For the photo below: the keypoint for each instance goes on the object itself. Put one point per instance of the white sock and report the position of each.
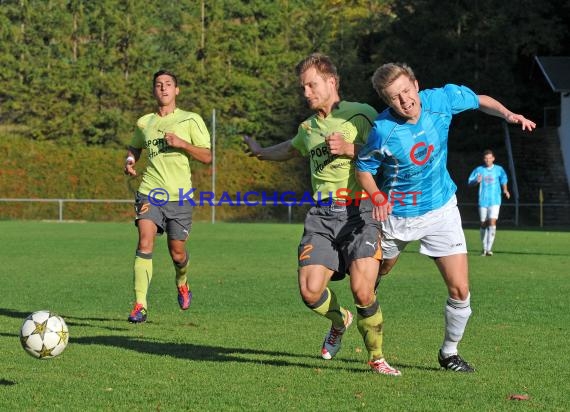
(457, 313)
(491, 237)
(483, 233)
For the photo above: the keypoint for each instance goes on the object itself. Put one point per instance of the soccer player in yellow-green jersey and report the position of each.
(339, 236)
(333, 175)
(169, 167)
(171, 137)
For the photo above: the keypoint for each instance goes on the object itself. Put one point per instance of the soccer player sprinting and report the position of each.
(407, 151)
(492, 181)
(338, 234)
(171, 137)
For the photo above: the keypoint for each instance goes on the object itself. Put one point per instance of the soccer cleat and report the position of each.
(484, 253)
(382, 367)
(138, 314)
(184, 297)
(489, 253)
(332, 342)
(454, 363)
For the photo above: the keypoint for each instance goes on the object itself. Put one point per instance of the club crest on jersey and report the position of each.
(419, 150)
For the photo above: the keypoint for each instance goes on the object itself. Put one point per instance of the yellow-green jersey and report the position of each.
(332, 175)
(169, 168)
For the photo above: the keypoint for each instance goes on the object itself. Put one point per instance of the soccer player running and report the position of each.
(339, 233)
(413, 193)
(171, 137)
(491, 178)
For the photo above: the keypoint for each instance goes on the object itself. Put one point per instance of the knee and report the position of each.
(145, 246)
(460, 293)
(309, 296)
(178, 257)
(364, 297)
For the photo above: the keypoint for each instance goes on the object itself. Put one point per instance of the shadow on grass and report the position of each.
(69, 320)
(4, 382)
(207, 353)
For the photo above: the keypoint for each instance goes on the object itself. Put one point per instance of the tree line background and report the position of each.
(78, 73)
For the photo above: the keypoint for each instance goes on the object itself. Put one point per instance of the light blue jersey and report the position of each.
(492, 178)
(414, 156)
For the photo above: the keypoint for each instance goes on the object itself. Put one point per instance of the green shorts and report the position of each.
(172, 218)
(335, 235)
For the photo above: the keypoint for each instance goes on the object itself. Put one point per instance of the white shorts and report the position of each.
(491, 212)
(440, 232)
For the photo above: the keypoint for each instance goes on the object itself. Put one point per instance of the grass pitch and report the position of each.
(248, 343)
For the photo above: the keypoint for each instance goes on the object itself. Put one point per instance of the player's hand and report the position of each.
(381, 207)
(174, 141)
(523, 121)
(253, 148)
(336, 144)
(129, 168)
(507, 194)
(479, 178)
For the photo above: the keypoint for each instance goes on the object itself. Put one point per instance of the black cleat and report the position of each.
(454, 363)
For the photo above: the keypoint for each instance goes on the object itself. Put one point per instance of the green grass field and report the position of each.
(248, 342)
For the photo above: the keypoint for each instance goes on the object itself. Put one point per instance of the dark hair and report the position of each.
(488, 152)
(160, 73)
(322, 64)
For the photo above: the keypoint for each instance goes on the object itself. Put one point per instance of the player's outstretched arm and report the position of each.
(279, 152)
(489, 105)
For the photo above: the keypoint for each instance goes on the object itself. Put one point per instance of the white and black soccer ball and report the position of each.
(44, 334)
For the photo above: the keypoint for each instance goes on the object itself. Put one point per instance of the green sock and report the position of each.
(328, 307)
(142, 276)
(181, 271)
(370, 325)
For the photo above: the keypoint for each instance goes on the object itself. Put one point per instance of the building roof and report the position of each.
(557, 72)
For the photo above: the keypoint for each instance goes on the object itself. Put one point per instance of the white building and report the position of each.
(556, 70)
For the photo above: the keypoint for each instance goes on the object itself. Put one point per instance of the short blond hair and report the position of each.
(322, 64)
(387, 74)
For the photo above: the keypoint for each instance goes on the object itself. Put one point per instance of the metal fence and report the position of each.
(521, 214)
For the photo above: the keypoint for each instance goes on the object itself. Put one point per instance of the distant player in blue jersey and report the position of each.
(491, 178)
(403, 168)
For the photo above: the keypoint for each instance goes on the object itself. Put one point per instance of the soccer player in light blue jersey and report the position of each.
(491, 179)
(403, 169)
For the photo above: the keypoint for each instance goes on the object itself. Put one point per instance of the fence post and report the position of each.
(214, 162)
(540, 202)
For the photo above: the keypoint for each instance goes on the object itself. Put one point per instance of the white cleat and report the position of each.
(382, 367)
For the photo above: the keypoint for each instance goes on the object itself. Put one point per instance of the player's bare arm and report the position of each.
(201, 154)
(381, 206)
(491, 106)
(340, 147)
(278, 153)
(133, 155)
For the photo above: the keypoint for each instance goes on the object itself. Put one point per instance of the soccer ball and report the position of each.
(44, 335)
